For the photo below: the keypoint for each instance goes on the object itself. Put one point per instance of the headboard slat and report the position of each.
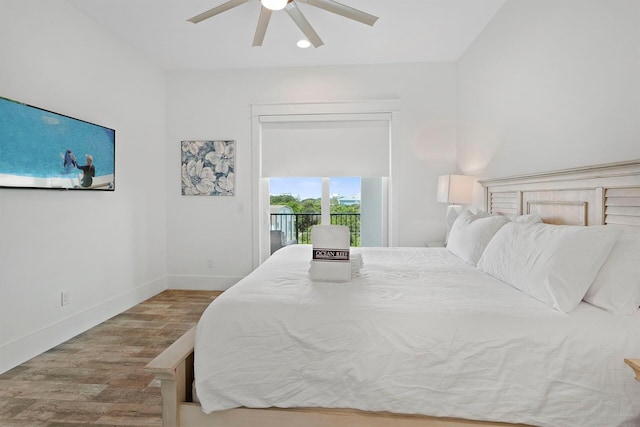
(502, 205)
(623, 210)
(506, 195)
(623, 192)
(623, 220)
(622, 201)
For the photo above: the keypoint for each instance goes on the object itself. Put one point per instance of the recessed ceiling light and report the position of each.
(304, 43)
(274, 4)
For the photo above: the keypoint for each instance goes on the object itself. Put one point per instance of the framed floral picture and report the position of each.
(208, 168)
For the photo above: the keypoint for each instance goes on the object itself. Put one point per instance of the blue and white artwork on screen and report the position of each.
(43, 149)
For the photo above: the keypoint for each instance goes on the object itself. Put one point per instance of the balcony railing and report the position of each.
(297, 226)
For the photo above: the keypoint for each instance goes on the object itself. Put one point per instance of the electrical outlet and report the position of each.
(209, 263)
(64, 298)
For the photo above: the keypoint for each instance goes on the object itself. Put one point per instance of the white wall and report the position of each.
(107, 249)
(551, 85)
(217, 105)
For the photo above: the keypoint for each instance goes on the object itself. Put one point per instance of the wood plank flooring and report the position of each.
(97, 378)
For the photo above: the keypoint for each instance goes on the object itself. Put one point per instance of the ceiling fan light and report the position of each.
(274, 4)
(303, 44)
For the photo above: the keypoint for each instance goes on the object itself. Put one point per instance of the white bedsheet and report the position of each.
(418, 332)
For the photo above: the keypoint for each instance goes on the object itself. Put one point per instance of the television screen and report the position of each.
(42, 149)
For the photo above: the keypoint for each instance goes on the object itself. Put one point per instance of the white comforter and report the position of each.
(419, 332)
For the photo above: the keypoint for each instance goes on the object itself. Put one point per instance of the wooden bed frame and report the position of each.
(596, 195)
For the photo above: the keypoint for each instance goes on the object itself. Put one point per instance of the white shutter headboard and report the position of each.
(593, 195)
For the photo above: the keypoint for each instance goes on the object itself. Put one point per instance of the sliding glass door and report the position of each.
(344, 153)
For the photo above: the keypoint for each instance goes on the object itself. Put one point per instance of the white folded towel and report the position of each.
(330, 236)
(319, 272)
(356, 264)
(331, 255)
(330, 272)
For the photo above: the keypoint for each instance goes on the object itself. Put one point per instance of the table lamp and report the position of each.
(456, 190)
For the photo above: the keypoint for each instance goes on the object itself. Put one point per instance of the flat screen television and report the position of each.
(43, 149)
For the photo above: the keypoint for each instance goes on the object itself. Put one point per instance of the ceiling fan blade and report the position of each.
(344, 10)
(216, 10)
(261, 29)
(303, 24)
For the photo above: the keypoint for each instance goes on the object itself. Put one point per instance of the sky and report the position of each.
(311, 188)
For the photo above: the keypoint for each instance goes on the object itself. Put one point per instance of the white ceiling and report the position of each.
(407, 31)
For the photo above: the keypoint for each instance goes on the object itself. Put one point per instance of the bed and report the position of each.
(445, 345)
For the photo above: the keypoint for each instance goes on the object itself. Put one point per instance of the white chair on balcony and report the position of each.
(278, 240)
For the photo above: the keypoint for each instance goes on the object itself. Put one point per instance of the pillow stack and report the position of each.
(559, 265)
(554, 264)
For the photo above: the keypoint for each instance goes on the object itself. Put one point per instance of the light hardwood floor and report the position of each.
(97, 378)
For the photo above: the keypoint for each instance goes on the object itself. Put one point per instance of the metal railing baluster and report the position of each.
(297, 226)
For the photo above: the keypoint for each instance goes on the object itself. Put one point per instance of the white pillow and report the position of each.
(471, 233)
(617, 285)
(527, 219)
(482, 213)
(555, 264)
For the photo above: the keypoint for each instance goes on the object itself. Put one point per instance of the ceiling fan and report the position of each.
(291, 7)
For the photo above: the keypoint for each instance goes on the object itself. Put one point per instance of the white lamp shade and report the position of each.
(455, 189)
(274, 4)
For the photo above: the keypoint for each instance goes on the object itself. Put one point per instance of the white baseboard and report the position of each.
(202, 283)
(29, 346)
